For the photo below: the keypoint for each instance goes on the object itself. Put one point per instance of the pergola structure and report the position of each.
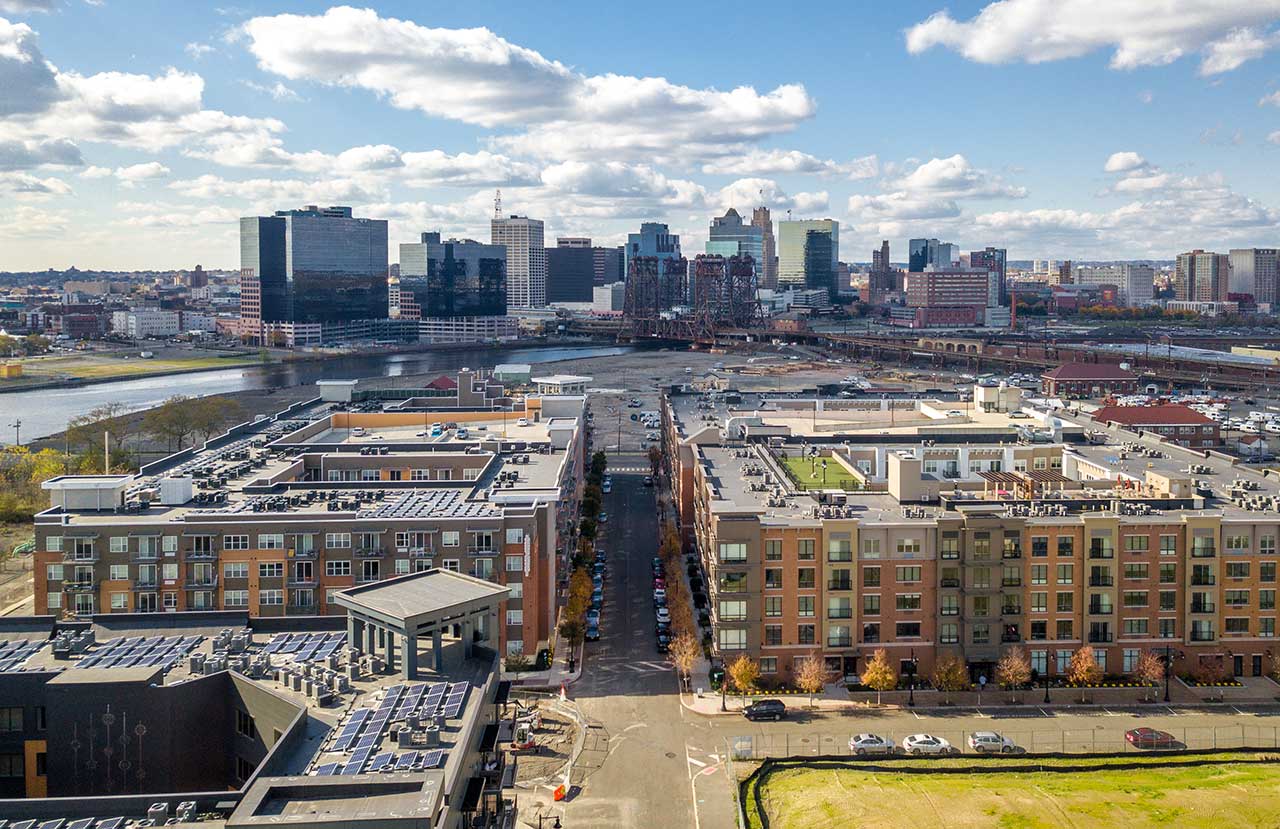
(392, 615)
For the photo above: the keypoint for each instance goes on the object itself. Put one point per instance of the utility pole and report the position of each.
(17, 431)
(106, 452)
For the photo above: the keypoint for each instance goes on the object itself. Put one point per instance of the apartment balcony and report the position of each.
(839, 584)
(71, 557)
(422, 553)
(301, 609)
(949, 611)
(369, 552)
(1008, 554)
(841, 641)
(201, 582)
(138, 555)
(1011, 582)
(1098, 609)
(145, 584)
(950, 582)
(200, 555)
(481, 551)
(840, 613)
(80, 586)
(1009, 638)
(1202, 636)
(1011, 610)
(1203, 581)
(1102, 554)
(303, 581)
(1102, 581)
(1100, 637)
(1204, 607)
(308, 554)
(367, 579)
(1204, 553)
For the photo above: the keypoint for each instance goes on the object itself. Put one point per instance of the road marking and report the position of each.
(696, 762)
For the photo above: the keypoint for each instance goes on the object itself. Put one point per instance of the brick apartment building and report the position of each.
(1076, 380)
(1177, 424)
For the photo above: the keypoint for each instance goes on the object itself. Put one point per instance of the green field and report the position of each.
(834, 476)
(98, 367)
(1227, 793)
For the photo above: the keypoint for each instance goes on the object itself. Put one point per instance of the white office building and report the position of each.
(145, 323)
(1135, 283)
(526, 260)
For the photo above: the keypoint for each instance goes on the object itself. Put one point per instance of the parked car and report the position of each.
(662, 628)
(863, 744)
(522, 421)
(1150, 738)
(664, 615)
(648, 480)
(659, 596)
(593, 616)
(462, 433)
(603, 517)
(664, 643)
(765, 709)
(659, 582)
(989, 742)
(926, 744)
(606, 488)
(657, 564)
(597, 598)
(593, 631)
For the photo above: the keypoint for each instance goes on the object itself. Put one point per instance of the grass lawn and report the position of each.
(1193, 797)
(834, 476)
(91, 367)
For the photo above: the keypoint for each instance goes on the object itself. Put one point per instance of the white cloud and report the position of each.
(758, 162)
(618, 180)
(198, 50)
(33, 223)
(477, 77)
(899, 206)
(277, 90)
(747, 193)
(1274, 137)
(1273, 99)
(96, 172)
(26, 185)
(137, 173)
(29, 153)
(1123, 161)
(1240, 45)
(28, 83)
(955, 177)
(26, 6)
(265, 192)
(1037, 31)
(434, 167)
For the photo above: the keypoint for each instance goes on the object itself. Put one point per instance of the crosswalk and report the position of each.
(629, 470)
(632, 667)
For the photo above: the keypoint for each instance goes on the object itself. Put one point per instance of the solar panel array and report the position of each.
(418, 503)
(305, 647)
(365, 729)
(63, 823)
(14, 654)
(141, 652)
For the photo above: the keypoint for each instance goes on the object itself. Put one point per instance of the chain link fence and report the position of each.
(1028, 741)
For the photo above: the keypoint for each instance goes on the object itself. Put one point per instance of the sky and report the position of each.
(134, 133)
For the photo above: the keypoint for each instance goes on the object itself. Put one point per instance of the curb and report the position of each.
(921, 709)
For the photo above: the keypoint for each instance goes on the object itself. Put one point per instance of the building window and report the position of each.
(772, 605)
(908, 574)
(118, 543)
(805, 578)
(805, 549)
(733, 639)
(1137, 543)
(1266, 600)
(450, 538)
(235, 598)
(947, 606)
(270, 569)
(54, 601)
(948, 633)
(1039, 546)
(515, 617)
(515, 564)
(1267, 627)
(1066, 573)
(11, 765)
(733, 611)
(1237, 569)
(1267, 545)
(981, 633)
(1135, 598)
(1134, 572)
(1066, 602)
(772, 635)
(11, 719)
(1135, 627)
(1063, 631)
(270, 597)
(337, 541)
(337, 568)
(907, 630)
(1039, 574)
(372, 570)
(53, 572)
(908, 546)
(772, 550)
(773, 579)
(950, 545)
(907, 601)
(804, 606)
(1236, 598)
(119, 601)
(244, 724)
(870, 576)
(1039, 602)
(870, 548)
(768, 664)
(732, 552)
(1066, 546)
(842, 551)
(235, 542)
(806, 634)
(1236, 625)
(235, 570)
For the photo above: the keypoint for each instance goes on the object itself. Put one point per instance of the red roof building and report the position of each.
(443, 383)
(1076, 380)
(1174, 423)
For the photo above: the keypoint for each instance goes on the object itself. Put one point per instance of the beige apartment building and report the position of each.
(277, 516)
(968, 535)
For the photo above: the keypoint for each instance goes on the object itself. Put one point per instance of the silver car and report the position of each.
(989, 742)
(926, 744)
(864, 744)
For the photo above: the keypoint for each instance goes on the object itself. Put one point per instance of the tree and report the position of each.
(1014, 669)
(1149, 669)
(879, 675)
(685, 652)
(655, 459)
(573, 630)
(211, 415)
(170, 421)
(811, 674)
(88, 433)
(1211, 671)
(580, 589)
(743, 673)
(949, 675)
(1084, 670)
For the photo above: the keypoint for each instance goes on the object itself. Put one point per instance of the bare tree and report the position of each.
(811, 674)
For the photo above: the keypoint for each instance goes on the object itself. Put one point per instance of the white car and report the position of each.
(863, 744)
(523, 421)
(989, 742)
(664, 616)
(926, 744)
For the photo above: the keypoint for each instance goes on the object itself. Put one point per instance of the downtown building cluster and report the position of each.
(967, 532)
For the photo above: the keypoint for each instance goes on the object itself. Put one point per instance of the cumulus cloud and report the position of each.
(26, 6)
(900, 206)
(746, 193)
(27, 222)
(955, 177)
(267, 191)
(21, 185)
(198, 50)
(758, 162)
(1037, 31)
(277, 90)
(1273, 99)
(28, 83)
(477, 77)
(137, 173)
(1123, 161)
(96, 172)
(29, 153)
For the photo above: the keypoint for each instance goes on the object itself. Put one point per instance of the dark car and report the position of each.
(664, 643)
(657, 565)
(648, 480)
(765, 709)
(1150, 738)
(593, 631)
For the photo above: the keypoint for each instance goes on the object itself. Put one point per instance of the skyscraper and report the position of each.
(1255, 271)
(768, 273)
(1202, 276)
(880, 258)
(993, 260)
(924, 252)
(570, 270)
(607, 263)
(526, 260)
(456, 278)
(654, 239)
(808, 250)
(313, 267)
(730, 236)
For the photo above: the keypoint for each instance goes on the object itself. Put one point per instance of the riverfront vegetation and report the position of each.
(1237, 790)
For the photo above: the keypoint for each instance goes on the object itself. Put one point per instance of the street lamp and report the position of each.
(1168, 668)
(911, 679)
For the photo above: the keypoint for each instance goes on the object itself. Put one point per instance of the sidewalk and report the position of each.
(552, 678)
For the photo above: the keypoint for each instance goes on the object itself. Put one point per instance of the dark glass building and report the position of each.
(457, 278)
(570, 274)
(818, 255)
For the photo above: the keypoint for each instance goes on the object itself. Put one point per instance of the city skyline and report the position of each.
(134, 140)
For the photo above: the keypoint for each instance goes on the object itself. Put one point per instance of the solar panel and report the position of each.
(22, 824)
(56, 823)
(381, 762)
(324, 771)
(406, 761)
(433, 759)
(82, 823)
(110, 823)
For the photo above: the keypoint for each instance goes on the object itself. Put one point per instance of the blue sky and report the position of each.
(132, 134)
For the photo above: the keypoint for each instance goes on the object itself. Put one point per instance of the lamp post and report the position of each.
(911, 679)
(1168, 669)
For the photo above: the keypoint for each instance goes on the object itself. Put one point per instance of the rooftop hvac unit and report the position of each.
(176, 491)
(158, 811)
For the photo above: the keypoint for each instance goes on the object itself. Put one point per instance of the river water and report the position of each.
(46, 411)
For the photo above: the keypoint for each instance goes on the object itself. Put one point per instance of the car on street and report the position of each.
(597, 581)
(864, 744)
(989, 742)
(664, 643)
(663, 628)
(926, 744)
(664, 615)
(593, 616)
(1150, 738)
(659, 582)
(462, 433)
(659, 596)
(597, 598)
(603, 517)
(648, 480)
(522, 421)
(597, 569)
(606, 488)
(765, 709)
(593, 632)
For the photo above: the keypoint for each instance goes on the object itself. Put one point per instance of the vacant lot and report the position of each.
(1231, 792)
(98, 367)
(809, 474)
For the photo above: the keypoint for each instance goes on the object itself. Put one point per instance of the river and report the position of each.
(46, 411)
